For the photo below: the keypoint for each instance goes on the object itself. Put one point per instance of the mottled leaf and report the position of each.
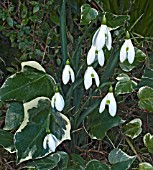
(148, 141)
(96, 165)
(145, 166)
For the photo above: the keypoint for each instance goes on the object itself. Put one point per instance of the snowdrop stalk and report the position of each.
(57, 101)
(89, 75)
(109, 100)
(50, 141)
(127, 50)
(68, 73)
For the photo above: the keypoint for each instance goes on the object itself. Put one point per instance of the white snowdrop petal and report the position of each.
(87, 79)
(101, 58)
(72, 75)
(112, 105)
(59, 103)
(53, 101)
(96, 77)
(51, 143)
(109, 40)
(65, 74)
(100, 40)
(123, 52)
(102, 104)
(131, 52)
(45, 142)
(95, 37)
(91, 55)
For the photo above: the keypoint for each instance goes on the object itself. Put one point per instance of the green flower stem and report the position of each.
(63, 32)
(132, 147)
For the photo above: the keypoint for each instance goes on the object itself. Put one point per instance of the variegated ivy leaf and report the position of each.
(96, 165)
(30, 135)
(145, 166)
(145, 95)
(133, 128)
(124, 84)
(148, 141)
(31, 82)
(120, 160)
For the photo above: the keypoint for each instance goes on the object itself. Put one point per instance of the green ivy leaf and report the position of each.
(10, 21)
(6, 140)
(31, 82)
(87, 14)
(147, 78)
(30, 135)
(145, 166)
(140, 56)
(100, 123)
(145, 95)
(120, 160)
(14, 116)
(124, 85)
(133, 128)
(95, 164)
(24, 11)
(148, 142)
(36, 9)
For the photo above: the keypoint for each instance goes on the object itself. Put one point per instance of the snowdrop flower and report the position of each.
(93, 52)
(127, 50)
(110, 101)
(102, 37)
(50, 141)
(89, 75)
(67, 73)
(57, 101)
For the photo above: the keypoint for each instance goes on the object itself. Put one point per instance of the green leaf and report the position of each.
(145, 95)
(115, 21)
(36, 9)
(120, 160)
(6, 140)
(147, 78)
(95, 164)
(30, 135)
(100, 123)
(14, 116)
(145, 166)
(140, 56)
(148, 142)
(87, 14)
(133, 128)
(24, 11)
(78, 161)
(27, 84)
(10, 21)
(124, 85)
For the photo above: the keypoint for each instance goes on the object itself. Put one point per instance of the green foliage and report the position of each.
(148, 141)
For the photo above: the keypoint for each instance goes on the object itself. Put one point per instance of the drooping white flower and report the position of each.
(127, 50)
(111, 102)
(57, 101)
(102, 37)
(67, 73)
(50, 141)
(89, 75)
(93, 52)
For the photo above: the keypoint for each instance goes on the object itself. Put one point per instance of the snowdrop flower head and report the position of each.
(102, 36)
(93, 52)
(57, 101)
(127, 50)
(89, 75)
(50, 141)
(109, 100)
(68, 73)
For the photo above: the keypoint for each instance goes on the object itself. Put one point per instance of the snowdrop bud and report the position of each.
(109, 100)
(57, 101)
(89, 75)
(104, 20)
(50, 141)
(127, 50)
(68, 73)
